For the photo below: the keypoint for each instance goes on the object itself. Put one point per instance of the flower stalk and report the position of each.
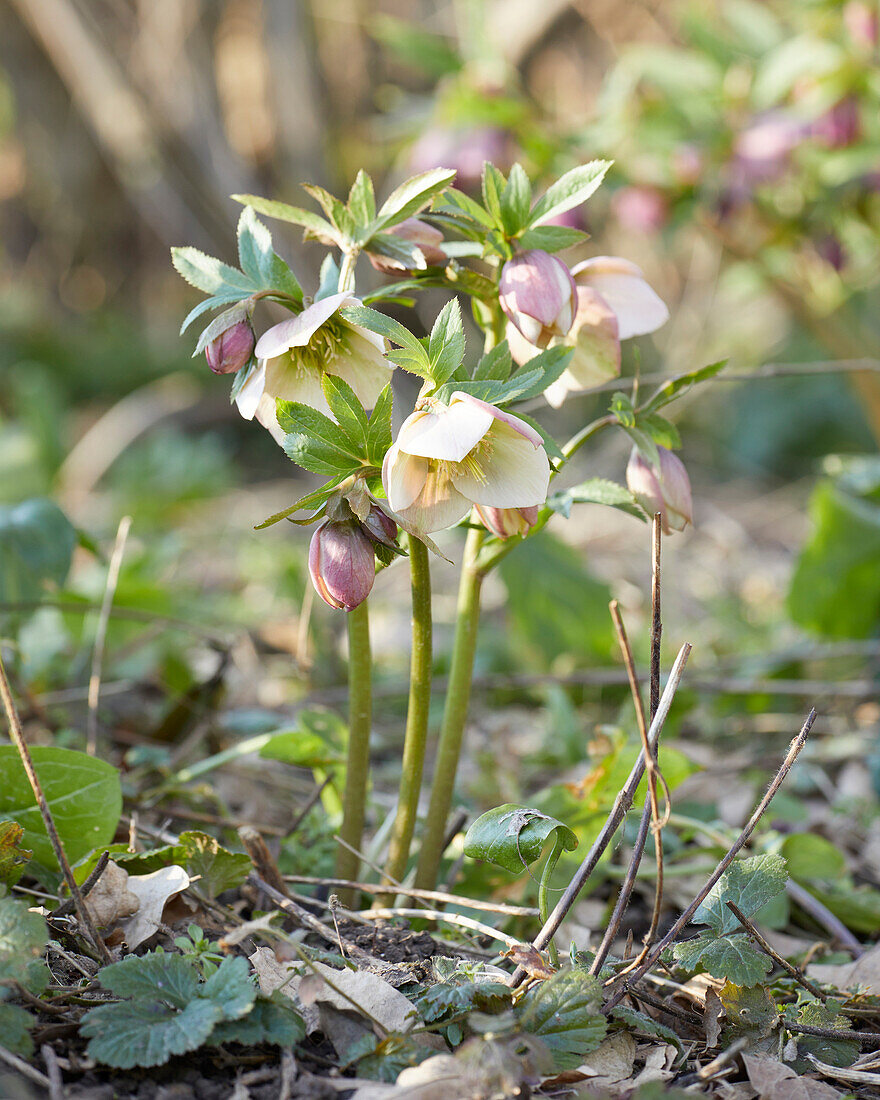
(360, 715)
(416, 737)
(544, 888)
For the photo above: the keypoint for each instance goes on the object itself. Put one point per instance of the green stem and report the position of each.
(346, 270)
(416, 738)
(360, 713)
(454, 713)
(544, 889)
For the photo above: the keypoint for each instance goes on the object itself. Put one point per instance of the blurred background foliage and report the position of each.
(746, 184)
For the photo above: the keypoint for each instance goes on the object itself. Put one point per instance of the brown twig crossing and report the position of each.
(651, 960)
(17, 735)
(798, 975)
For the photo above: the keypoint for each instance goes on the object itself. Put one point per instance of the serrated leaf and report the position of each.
(413, 355)
(549, 364)
(258, 259)
(157, 975)
(407, 254)
(679, 385)
(338, 213)
(513, 836)
(596, 490)
(362, 199)
(446, 344)
(751, 1012)
(495, 364)
(565, 1012)
(313, 223)
(749, 884)
(223, 321)
(310, 502)
(411, 196)
(569, 191)
(516, 199)
(379, 427)
(493, 184)
(209, 274)
(217, 868)
(834, 1052)
(137, 1033)
(455, 203)
(13, 856)
(552, 238)
(641, 1021)
(231, 987)
(83, 792)
(314, 441)
(23, 939)
(271, 1020)
(347, 411)
(460, 993)
(733, 957)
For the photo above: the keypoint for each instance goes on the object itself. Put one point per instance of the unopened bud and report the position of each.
(232, 349)
(427, 238)
(669, 493)
(505, 522)
(379, 527)
(341, 564)
(539, 296)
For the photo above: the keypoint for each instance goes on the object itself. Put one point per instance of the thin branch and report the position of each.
(798, 975)
(866, 1038)
(261, 857)
(101, 633)
(792, 755)
(310, 804)
(823, 915)
(621, 807)
(456, 919)
(626, 889)
(68, 906)
(413, 892)
(17, 735)
(21, 1066)
(656, 618)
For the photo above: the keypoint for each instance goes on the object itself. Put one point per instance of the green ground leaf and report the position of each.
(138, 1033)
(513, 837)
(732, 957)
(566, 1013)
(810, 856)
(641, 1021)
(835, 1052)
(158, 975)
(23, 939)
(218, 868)
(231, 987)
(83, 792)
(15, 1025)
(36, 548)
(271, 1020)
(749, 884)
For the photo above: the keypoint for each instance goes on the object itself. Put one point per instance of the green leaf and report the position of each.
(271, 1020)
(495, 364)
(15, 1025)
(493, 187)
(462, 986)
(810, 856)
(23, 939)
(516, 199)
(456, 203)
(338, 213)
(157, 975)
(749, 884)
(680, 385)
(566, 1013)
(231, 987)
(549, 365)
(834, 1052)
(314, 441)
(138, 1033)
(362, 199)
(552, 238)
(596, 490)
(379, 428)
(446, 344)
(347, 411)
(569, 191)
(662, 431)
(83, 792)
(218, 868)
(412, 356)
(733, 957)
(411, 196)
(622, 407)
(210, 274)
(36, 548)
(308, 503)
(407, 254)
(13, 857)
(513, 836)
(229, 317)
(313, 223)
(258, 260)
(430, 54)
(751, 1013)
(641, 1021)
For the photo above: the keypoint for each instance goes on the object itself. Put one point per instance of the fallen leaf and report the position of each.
(111, 900)
(152, 891)
(863, 972)
(437, 1078)
(612, 1060)
(712, 1013)
(531, 960)
(658, 1060)
(776, 1081)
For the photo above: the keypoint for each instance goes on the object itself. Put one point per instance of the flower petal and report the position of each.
(403, 477)
(623, 286)
(296, 332)
(515, 474)
(248, 397)
(439, 505)
(445, 432)
(521, 350)
(524, 429)
(362, 366)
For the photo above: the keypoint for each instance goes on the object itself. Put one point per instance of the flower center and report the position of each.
(474, 462)
(324, 346)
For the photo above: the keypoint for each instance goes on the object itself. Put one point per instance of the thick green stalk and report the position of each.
(360, 714)
(416, 738)
(454, 714)
(544, 888)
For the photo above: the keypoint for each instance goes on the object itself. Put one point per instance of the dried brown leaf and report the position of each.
(776, 1081)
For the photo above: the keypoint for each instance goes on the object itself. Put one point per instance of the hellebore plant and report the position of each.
(464, 455)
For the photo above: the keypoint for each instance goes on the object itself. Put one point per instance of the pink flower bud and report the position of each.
(427, 237)
(232, 349)
(380, 527)
(669, 494)
(640, 209)
(862, 22)
(505, 522)
(840, 126)
(341, 564)
(465, 150)
(539, 296)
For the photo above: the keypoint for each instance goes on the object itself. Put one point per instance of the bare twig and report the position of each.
(457, 919)
(413, 892)
(56, 1084)
(261, 857)
(792, 755)
(621, 807)
(823, 915)
(101, 633)
(68, 906)
(17, 735)
(626, 889)
(798, 975)
(866, 1038)
(21, 1066)
(310, 804)
(656, 618)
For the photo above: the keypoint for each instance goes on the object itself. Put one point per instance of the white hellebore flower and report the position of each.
(293, 356)
(447, 458)
(614, 303)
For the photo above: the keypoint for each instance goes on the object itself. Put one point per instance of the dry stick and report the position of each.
(426, 895)
(17, 735)
(798, 975)
(261, 857)
(792, 755)
(56, 1083)
(621, 806)
(863, 1037)
(24, 1069)
(456, 919)
(101, 633)
(312, 801)
(67, 906)
(822, 915)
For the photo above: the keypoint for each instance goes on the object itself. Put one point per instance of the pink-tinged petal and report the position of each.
(512, 474)
(297, 332)
(520, 426)
(445, 432)
(364, 368)
(403, 477)
(506, 522)
(266, 416)
(439, 505)
(538, 286)
(248, 397)
(341, 564)
(521, 350)
(557, 391)
(639, 309)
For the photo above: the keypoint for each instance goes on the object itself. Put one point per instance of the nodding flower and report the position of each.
(668, 492)
(538, 295)
(427, 239)
(506, 522)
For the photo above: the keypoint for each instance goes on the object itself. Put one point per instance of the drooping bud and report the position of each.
(505, 522)
(380, 527)
(539, 296)
(669, 494)
(232, 349)
(427, 238)
(341, 564)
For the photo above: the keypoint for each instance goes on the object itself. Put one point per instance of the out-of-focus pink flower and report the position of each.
(427, 238)
(341, 563)
(831, 250)
(447, 458)
(668, 493)
(862, 21)
(640, 209)
(506, 522)
(465, 150)
(571, 219)
(537, 292)
(294, 355)
(763, 149)
(687, 164)
(840, 126)
(232, 349)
